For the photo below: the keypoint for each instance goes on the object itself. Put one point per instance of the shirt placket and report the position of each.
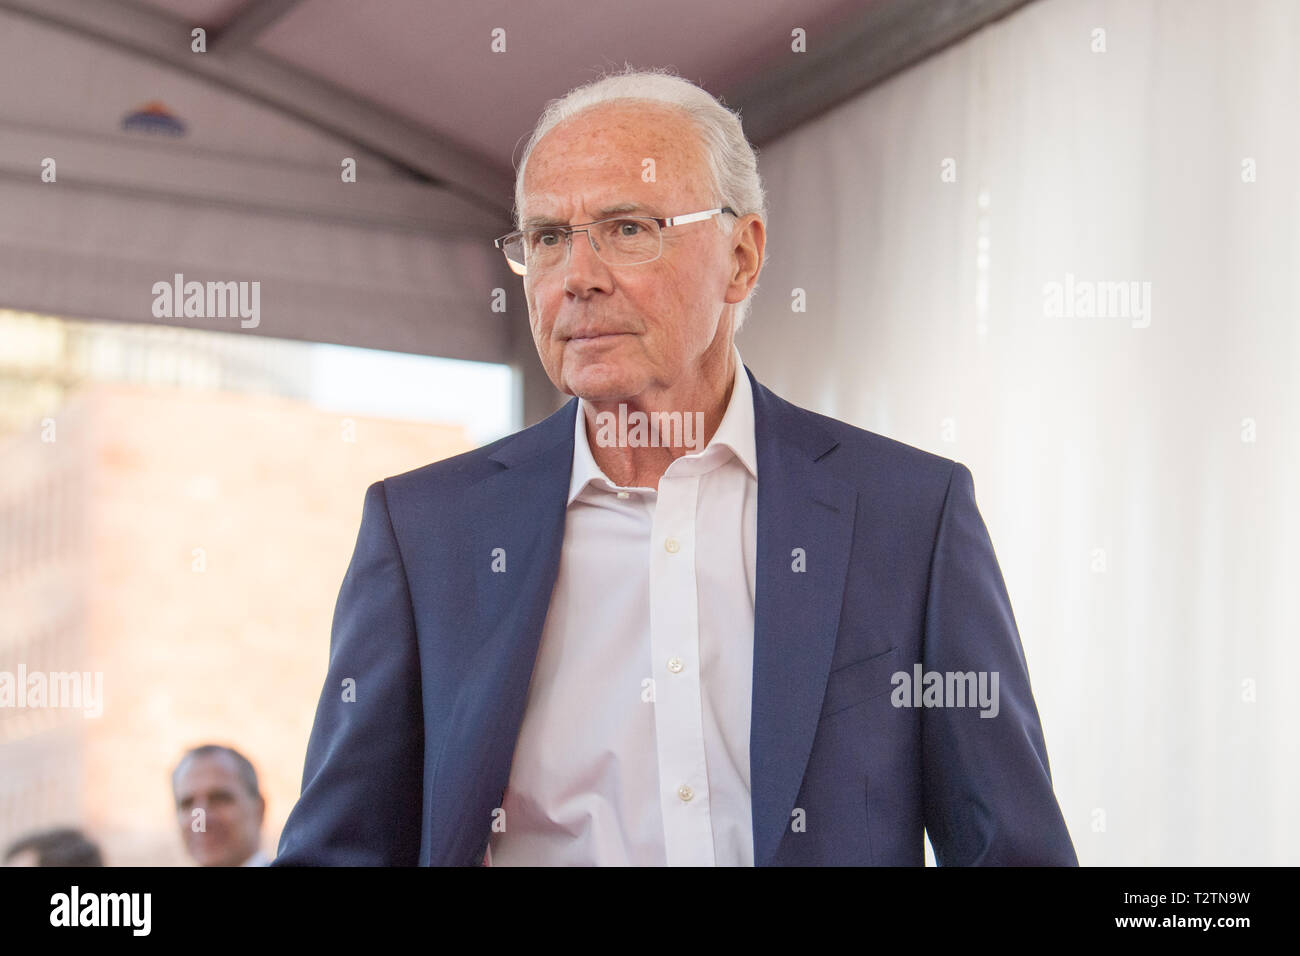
(675, 653)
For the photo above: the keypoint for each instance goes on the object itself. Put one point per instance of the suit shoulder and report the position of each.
(461, 471)
(867, 453)
(466, 468)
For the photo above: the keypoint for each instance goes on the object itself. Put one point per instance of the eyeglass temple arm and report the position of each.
(696, 216)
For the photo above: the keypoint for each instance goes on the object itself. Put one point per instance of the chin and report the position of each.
(604, 394)
(602, 384)
(211, 857)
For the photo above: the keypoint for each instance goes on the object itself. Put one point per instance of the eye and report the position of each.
(630, 224)
(547, 237)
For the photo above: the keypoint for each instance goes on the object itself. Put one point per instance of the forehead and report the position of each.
(215, 770)
(599, 157)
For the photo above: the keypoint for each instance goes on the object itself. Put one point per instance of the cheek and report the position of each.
(220, 817)
(681, 287)
(539, 319)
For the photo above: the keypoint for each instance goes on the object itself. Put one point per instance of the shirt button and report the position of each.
(675, 665)
(671, 546)
(685, 793)
(623, 494)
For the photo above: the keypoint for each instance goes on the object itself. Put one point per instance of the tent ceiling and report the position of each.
(416, 81)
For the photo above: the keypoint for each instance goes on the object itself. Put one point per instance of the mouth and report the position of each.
(595, 336)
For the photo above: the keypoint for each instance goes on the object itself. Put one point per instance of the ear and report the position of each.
(746, 257)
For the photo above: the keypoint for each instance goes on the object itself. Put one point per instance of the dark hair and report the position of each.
(62, 846)
(247, 775)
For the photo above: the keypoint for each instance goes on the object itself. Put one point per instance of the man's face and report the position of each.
(232, 817)
(606, 332)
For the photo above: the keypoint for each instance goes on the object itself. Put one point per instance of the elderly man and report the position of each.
(587, 644)
(219, 807)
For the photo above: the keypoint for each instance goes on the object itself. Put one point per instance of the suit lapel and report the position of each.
(520, 510)
(796, 613)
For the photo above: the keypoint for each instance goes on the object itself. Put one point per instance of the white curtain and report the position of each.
(1136, 462)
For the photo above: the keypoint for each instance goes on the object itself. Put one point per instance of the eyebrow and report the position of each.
(533, 222)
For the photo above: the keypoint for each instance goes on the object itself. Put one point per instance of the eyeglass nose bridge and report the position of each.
(591, 241)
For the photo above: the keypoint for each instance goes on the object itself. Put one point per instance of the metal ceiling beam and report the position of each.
(124, 165)
(252, 20)
(157, 36)
(887, 37)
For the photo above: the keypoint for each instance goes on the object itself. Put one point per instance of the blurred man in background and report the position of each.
(63, 846)
(219, 807)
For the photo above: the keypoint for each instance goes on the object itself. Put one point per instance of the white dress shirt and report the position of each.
(634, 746)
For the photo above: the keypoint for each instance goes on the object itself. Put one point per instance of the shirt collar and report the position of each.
(735, 432)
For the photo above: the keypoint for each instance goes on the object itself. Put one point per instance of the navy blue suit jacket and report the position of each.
(899, 570)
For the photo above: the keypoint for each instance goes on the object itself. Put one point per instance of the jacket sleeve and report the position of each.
(987, 786)
(363, 781)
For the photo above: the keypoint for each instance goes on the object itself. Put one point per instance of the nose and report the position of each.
(584, 271)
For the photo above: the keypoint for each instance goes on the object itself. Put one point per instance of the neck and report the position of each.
(686, 417)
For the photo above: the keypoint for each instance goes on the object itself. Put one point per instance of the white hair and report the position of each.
(731, 160)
